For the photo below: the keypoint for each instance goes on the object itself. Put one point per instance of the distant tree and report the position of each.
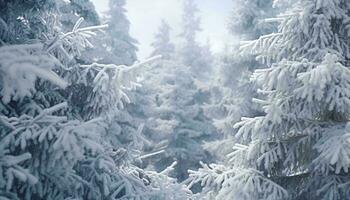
(162, 44)
(174, 118)
(119, 41)
(191, 52)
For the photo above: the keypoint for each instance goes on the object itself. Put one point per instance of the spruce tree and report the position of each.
(247, 18)
(299, 148)
(232, 89)
(162, 44)
(49, 149)
(26, 20)
(119, 41)
(191, 52)
(71, 11)
(174, 118)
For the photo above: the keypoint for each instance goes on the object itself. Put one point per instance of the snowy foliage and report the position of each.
(193, 54)
(81, 118)
(21, 65)
(176, 124)
(162, 44)
(71, 11)
(220, 182)
(300, 143)
(54, 139)
(247, 19)
(233, 90)
(118, 40)
(30, 21)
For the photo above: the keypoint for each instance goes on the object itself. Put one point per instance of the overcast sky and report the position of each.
(145, 17)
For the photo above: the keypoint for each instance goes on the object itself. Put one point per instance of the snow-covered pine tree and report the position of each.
(162, 44)
(120, 49)
(30, 20)
(175, 122)
(118, 41)
(233, 90)
(247, 18)
(300, 148)
(72, 10)
(247, 22)
(123, 125)
(191, 52)
(48, 151)
(207, 59)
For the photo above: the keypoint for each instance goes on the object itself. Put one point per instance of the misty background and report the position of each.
(146, 15)
(174, 100)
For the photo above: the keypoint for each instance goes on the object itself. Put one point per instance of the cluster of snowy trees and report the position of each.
(82, 118)
(62, 106)
(176, 121)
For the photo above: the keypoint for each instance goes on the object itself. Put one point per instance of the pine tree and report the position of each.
(72, 10)
(121, 50)
(48, 148)
(247, 22)
(299, 148)
(175, 122)
(162, 44)
(119, 41)
(247, 18)
(191, 52)
(30, 20)
(232, 89)
(191, 26)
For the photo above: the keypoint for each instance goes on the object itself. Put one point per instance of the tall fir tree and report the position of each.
(162, 44)
(175, 124)
(30, 20)
(247, 18)
(299, 148)
(232, 89)
(172, 103)
(48, 149)
(119, 41)
(191, 52)
(71, 11)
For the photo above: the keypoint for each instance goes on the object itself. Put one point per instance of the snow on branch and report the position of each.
(265, 46)
(122, 77)
(108, 85)
(252, 185)
(13, 171)
(51, 110)
(166, 187)
(210, 176)
(334, 151)
(77, 35)
(235, 183)
(21, 65)
(101, 67)
(152, 154)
